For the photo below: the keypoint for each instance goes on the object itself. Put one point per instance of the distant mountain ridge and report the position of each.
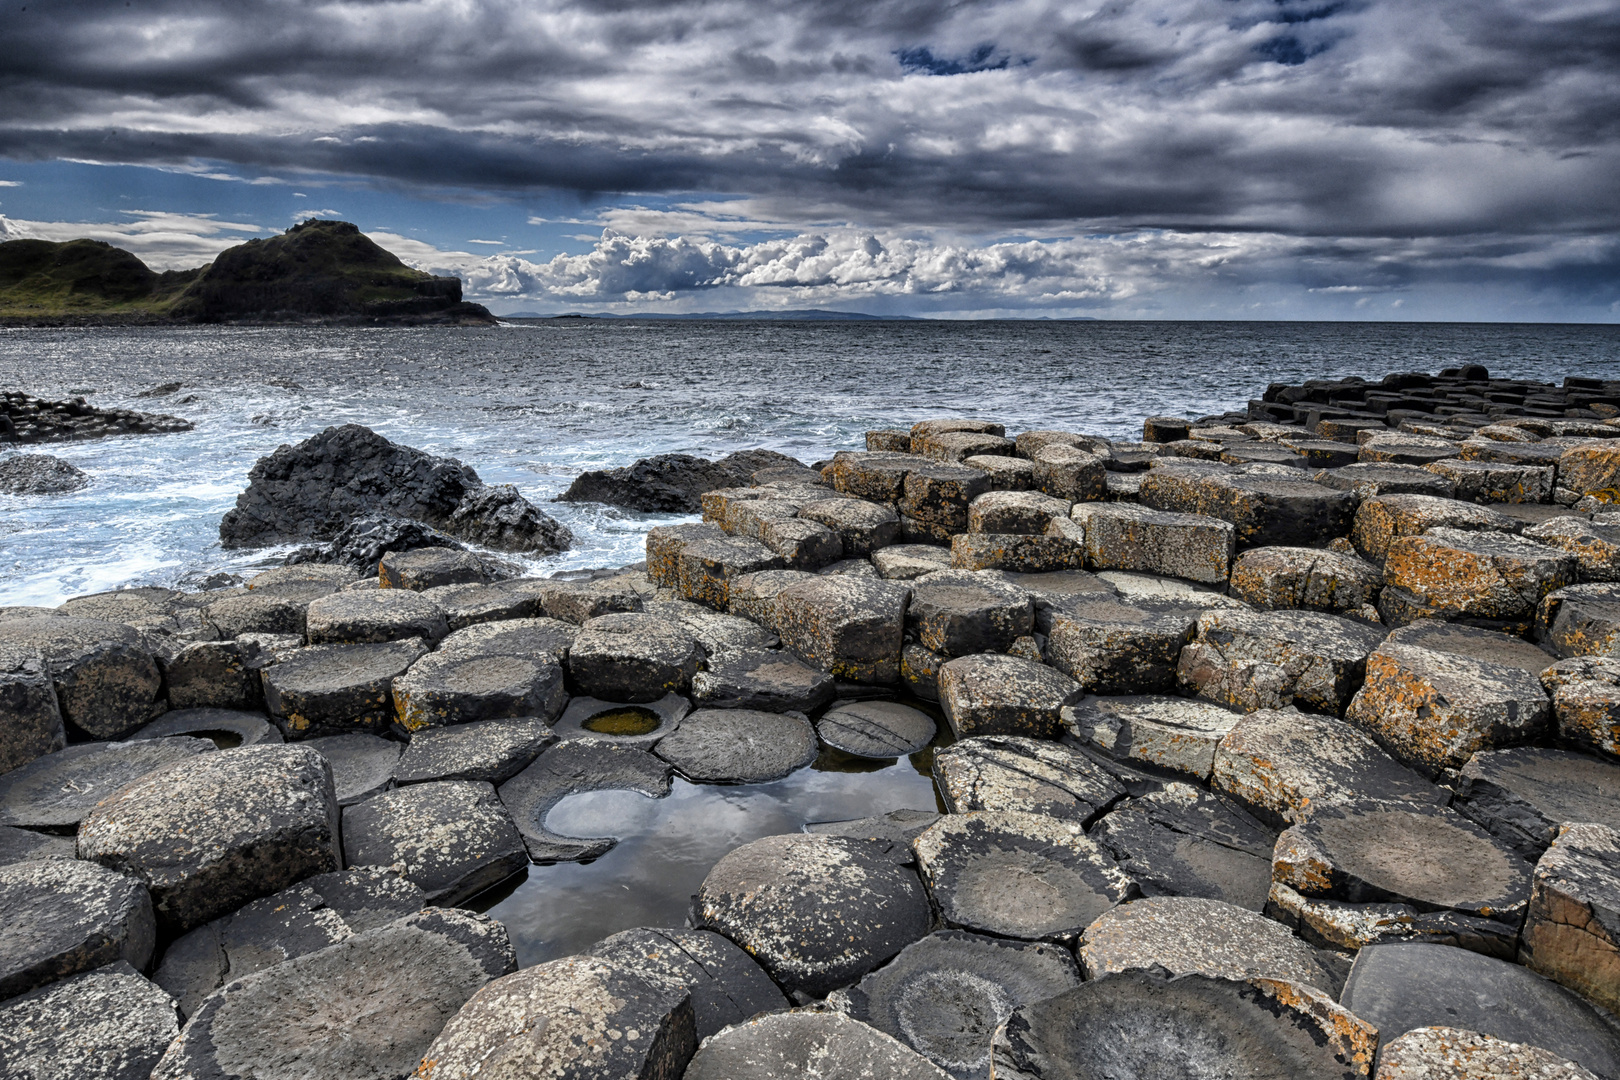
(809, 314)
(316, 272)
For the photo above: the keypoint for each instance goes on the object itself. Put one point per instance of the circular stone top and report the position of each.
(615, 722)
(876, 729)
(362, 764)
(739, 746)
(380, 615)
(56, 791)
(226, 727)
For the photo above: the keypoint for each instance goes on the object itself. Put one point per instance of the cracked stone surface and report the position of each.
(876, 729)
(812, 1045)
(739, 746)
(1166, 732)
(727, 987)
(1448, 1053)
(1572, 931)
(64, 916)
(1005, 772)
(450, 838)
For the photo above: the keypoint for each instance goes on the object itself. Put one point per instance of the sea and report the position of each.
(536, 403)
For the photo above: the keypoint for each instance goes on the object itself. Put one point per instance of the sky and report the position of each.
(1159, 159)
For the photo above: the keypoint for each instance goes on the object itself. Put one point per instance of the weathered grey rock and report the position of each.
(469, 605)
(849, 627)
(1474, 643)
(879, 476)
(107, 682)
(739, 746)
(577, 601)
(57, 791)
(535, 638)
(939, 495)
(1187, 935)
(717, 633)
(959, 613)
(727, 987)
(22, 845)
(1004, 695)
(1372, 480)
(814, 1045)
(960, 444)
(1404, 448)
(1496, 482)
(357, 618)
(144, 608)
(1264, 510)
(1572, 929)
(1586, 702)
(30, 718)
(1124, 537)
(1523, 796)
(773, 897)
(312, 490)
(1003, 473)
(1273, 659)
(64, 916)
(632, 657)
(1068, 472)
(1449, 1053)
(1383, 519)
(572, 766)
(1458, 574)
(664, 546)
(1019, 875)
(707, 567)
(359, 546)
(862, 527)
(277, 608)
(1161, 592)
(40, 474)
(876, 729)
(768, 679)
(1595, 544)
(1591, 468)
(1291, 577)
(108, 1024)
(945, 995)
(1433, 709)
(892, 440)
(362, 765)
(451, 838)
(216, 675)
(919, 671)
(1581, 620)
(669, 483)
(1005, 772)
(1341, 927)
(454, 688)
(210, 833)
(800, 542)
(493, 751)
(336, 575)
(1109, 646)
(753, 596)
(1432, 859)
(1183, 841)
(1164, 732)
(227, 728)
(1019, 554)
(1401, 987)
(1286, 766)
(897, 829)
(389, 990)
(337, 688)
(430, 567)
(317, 912)
(903, 562)
(1026, 513)
(621, 724)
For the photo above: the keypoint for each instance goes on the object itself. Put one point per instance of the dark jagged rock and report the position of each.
(39, 474)
(25, 419)
(671, 483)
(314, 490)
(363, 542)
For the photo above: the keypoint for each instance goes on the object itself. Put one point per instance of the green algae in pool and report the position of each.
(666, 847)
(630, 720)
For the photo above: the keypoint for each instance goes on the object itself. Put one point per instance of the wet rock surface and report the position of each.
(770, 679)
(40, 474)
(572, 766)
(876, 729)
(55, 792)
(362, 765)
(739, 746)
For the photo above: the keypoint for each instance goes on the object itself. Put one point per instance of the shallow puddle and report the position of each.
(666, 846)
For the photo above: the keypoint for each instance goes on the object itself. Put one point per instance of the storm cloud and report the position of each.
(1000, 152)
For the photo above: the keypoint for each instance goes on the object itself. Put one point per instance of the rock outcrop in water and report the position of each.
(39, 474)
(671, 483)
(1276, 755)
(26, 419)
(315, 490)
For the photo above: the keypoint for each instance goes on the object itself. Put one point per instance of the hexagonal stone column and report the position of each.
(938, 496)
(1383, 519)
(1590, 469)
(707, 567)
(1272, 659)
(1572, 931)
(331, 689)
(1455, 574)
(1165, 732)
(107, 1024)
(1271, 578)
(429, 567)
(64, 916)
(1449, 1053)
(848, 626)
(55, 792)
(452, 838)
(1124, 537)
(1004, 695)
(1006, 772)
(632, 657)
(32, 719)
(453, 688)
(1595, 543)
(727, 987)
(107, 682)
(1110, 646)
(353, 618)
(959, 613)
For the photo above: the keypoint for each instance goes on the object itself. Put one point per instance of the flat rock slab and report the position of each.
(1595, 544)
(362, 765)
(1400, 987)
(1018, 875)
(455, 688)
(1273, 578)
(212, 832)
(1183, 841)
(1284, 766)
(1145, 1025)
(317, 912)
(876, 729)
(1453, 573)
(1120, 536)
(538, 637)
(770, 679)
(739, 746)
(717, 633)
(277, 608)
(471, 605)
(451, 838)
(727, 987)
(633, 657)
(1162, 732)
(1584, 622)
(1385, 518)
(578, 601)
(1433, 859)
(1264, 510)
(1111, 646)
(1523, 796)
(817, 912)
(21, 845)
(1372, 480)
(226, 728)
(337, 688)
(814, 1045)
(1184, 935)
(57, 791)
(897, 828)
(848, 626)
(1272, 659)
(709, 566)
(430, 567)
(944, 996)
(389, 990)
(553, 1017)
(641, 724)
(570, 767)
(358, 618)
(1572, 931)
(1004, 695)
(960, 612)
(493, 751)
(1474, 643)
(1008, 772)
(107, 682)
(108, 1024)
(1448, 1053)
(64, 916)
(903, 562)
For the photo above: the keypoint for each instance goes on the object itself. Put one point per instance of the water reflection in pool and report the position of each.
(666, 846)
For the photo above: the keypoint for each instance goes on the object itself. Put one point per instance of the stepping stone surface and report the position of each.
(945, 995)
(739, 746)
(876, 729)
(22, 845)
(107, 1024)
(836, 1046)
(1004, 695)
(450, 838)
(1272, 578)
(773, 896)
(63, 917)
(1120, 536)
(1111, 646)
(727, 987)
(493, 751)
(388, 990)
(57, 791)
(847, 626)
(106, 681)
(454, 688)
(230, 726)
(337, 688)
(1166, 732)
(632, 657)
(362, 765)
(1274, 659)
(1524, 795)
(1005, 772)
(771, 679)
(1183, 841)
(959, 613)
(358, 618)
